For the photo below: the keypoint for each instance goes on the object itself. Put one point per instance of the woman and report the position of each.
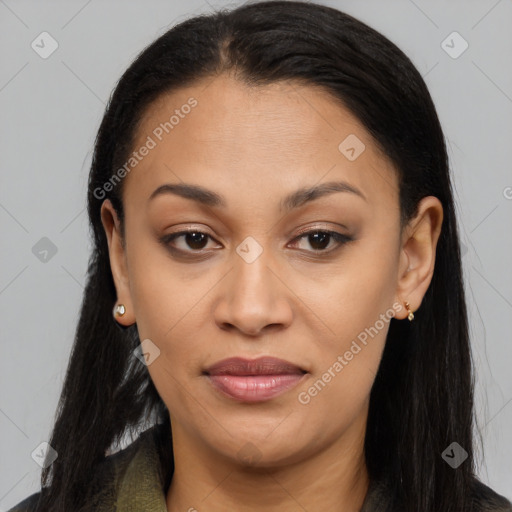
(276, 240)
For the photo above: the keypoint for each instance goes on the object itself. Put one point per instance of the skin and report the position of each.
(254, 146)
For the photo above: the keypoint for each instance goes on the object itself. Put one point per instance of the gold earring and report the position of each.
(119, 310)
(410, 316)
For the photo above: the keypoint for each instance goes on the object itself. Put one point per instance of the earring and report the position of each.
(119, 310)
(411, 314)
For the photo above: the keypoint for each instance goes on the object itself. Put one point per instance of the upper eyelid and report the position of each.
(303, 231)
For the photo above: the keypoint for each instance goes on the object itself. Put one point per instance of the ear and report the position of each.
(118, 262)
(418, 254)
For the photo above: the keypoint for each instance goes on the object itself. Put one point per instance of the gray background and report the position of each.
(51, 109)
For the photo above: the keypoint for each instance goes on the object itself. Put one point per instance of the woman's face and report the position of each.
(251, 282)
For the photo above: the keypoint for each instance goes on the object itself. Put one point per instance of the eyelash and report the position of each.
(339, 239)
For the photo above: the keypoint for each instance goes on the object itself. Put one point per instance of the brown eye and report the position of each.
(195, 240)
(192, 239)
(319, 240)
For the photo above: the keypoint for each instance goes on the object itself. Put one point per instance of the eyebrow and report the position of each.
(292, 201)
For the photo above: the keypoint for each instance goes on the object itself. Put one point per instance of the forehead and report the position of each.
(222, 133)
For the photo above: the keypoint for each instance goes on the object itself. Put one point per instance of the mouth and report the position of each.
(254, 380)
(261, 366)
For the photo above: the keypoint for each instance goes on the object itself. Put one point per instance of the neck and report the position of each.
(333, 478)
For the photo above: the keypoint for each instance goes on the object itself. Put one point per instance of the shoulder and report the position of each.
(483, 498)
(27, 505)
(106, 474)
(487, 500)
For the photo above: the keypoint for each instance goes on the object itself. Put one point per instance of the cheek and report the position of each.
(357, 306)
(159, 298)
(354, 294)
(171, 316)
(338, 391)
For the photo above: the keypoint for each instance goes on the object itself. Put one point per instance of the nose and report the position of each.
(253, 298)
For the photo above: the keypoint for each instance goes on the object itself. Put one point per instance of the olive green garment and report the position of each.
(132, 480)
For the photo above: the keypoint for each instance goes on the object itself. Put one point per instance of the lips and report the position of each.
(261, 366)
(256, 380)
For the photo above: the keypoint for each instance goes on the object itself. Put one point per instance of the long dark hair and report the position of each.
(422, 398)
